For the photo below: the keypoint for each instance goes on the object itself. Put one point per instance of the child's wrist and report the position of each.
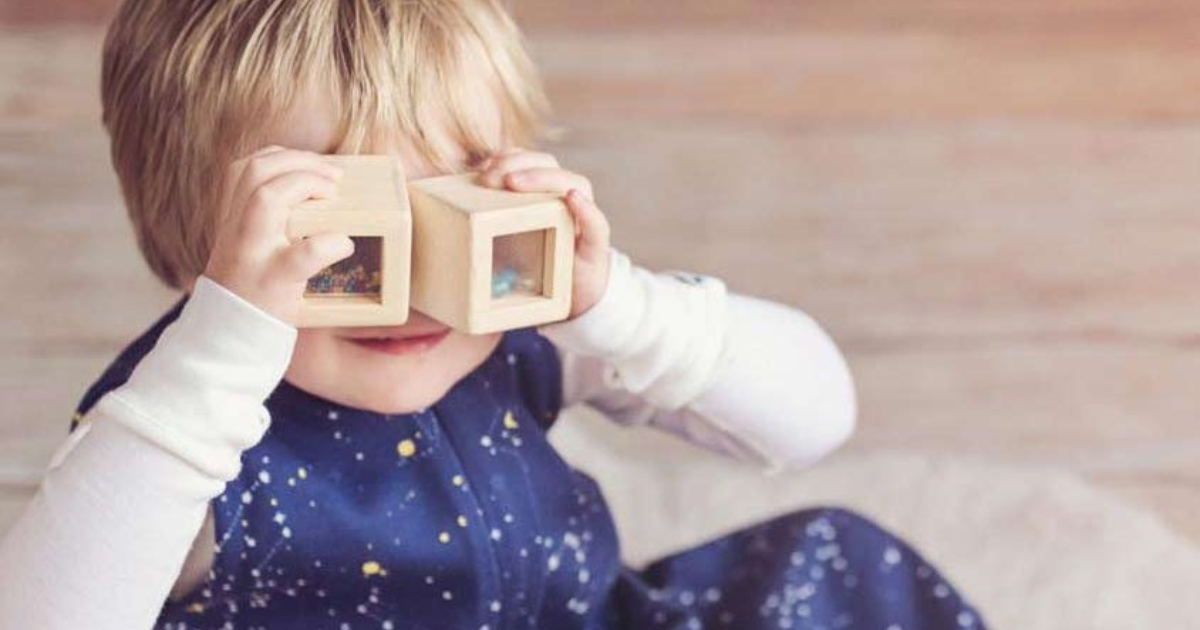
(219, 334)
(199, 393)
(244, 311)
(596, 330)
(586, 297)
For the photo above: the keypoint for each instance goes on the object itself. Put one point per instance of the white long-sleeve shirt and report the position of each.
(749, 378)
(108, 532)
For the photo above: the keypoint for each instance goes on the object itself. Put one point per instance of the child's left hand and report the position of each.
(528, 171)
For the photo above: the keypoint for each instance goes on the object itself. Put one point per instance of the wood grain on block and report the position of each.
(457, 226)
(372, 287)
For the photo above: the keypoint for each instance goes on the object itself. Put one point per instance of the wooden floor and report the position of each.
(994, 206)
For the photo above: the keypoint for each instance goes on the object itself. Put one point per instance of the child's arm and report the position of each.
(124, 497)
(104, 539)
(754, 379)
(750, 378)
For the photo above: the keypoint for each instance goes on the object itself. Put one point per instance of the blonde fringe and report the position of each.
(189, 85)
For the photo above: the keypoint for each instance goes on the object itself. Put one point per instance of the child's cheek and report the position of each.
(314, 356)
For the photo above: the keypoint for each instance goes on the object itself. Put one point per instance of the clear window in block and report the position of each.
(518, 265)
(360, 275)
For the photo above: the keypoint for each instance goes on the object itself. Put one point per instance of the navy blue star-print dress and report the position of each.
(462, 516)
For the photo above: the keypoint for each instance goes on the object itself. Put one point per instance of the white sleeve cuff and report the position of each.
(593, 332)
(199, 394)
(660, 335)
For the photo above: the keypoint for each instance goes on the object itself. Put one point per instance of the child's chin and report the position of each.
(351, 372)
(412, 399)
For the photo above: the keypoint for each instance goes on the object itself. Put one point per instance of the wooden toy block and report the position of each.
(486, 260)
(371, 288)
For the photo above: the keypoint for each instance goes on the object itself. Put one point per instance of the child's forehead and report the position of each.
(314, 123)
(310, 124)
(438, 97)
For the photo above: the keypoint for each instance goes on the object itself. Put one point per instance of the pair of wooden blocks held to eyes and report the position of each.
(477, 259)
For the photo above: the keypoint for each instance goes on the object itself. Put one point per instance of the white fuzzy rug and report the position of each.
(1033, 549)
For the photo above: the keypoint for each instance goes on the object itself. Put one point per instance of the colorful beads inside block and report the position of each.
(360, 274)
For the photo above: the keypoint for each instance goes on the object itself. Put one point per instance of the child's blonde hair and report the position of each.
(189, 85)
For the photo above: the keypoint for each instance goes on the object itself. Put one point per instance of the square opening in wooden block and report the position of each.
(488, 260)
(359, 276)
(371, 287)
(519, 266)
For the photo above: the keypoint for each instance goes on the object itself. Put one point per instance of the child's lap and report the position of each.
(819, 568)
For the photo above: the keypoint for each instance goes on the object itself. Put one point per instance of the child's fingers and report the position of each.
(592, 230)
(239, 166)
(270, 148)
(502, 164)
(487, 162)
(269, 206)
(548, 180)
(255, 171)
(267, 150)
(307, 256)
(271, 163)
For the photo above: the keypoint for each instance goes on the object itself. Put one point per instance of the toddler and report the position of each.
(231, 472)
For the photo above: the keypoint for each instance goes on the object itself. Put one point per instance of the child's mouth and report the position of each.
(402, 345)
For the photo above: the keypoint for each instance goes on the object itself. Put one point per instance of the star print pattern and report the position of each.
(463, 516)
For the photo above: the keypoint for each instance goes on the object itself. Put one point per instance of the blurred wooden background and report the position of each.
(993, 206)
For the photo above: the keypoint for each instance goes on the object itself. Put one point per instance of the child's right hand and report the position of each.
(252, 255)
